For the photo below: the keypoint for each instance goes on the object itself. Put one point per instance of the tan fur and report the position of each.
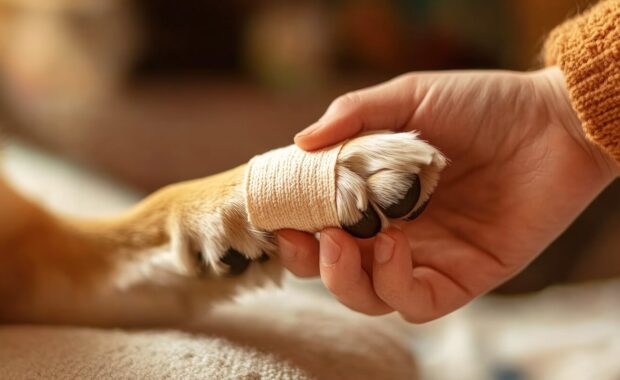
(53, 269)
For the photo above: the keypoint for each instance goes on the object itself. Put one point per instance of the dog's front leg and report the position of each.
(148, 265)
(199, 241)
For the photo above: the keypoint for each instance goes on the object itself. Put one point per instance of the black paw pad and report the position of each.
(264, 258)
(420, 210)
(407, 203)
(367, 227)
(237, 262)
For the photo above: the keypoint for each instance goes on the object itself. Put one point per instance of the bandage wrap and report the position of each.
(291, 188)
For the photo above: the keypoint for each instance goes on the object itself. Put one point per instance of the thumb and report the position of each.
(388, 106)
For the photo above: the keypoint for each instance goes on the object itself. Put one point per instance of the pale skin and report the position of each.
(521, 171)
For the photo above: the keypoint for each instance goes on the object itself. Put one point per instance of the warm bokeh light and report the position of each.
(150, 92)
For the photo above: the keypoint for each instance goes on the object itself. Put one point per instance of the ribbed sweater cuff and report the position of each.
(587, 50)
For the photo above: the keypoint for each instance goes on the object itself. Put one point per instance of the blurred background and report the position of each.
(150, 92)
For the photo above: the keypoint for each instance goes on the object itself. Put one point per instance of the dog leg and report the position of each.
(189, 244)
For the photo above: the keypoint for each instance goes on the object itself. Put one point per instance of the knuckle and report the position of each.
(407, 79)
(346, 102)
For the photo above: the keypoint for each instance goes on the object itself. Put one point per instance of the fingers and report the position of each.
(342, 273)
(341, 268)
(386, 106)
(299, 252)
(420, 294)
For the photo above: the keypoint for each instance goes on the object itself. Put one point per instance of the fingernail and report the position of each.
(384, 250)
(330, 251)
(310, 130)
(288, 250)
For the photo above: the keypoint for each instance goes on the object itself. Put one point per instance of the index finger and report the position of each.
(388, 106)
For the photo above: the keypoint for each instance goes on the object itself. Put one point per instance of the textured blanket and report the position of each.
(270, 336)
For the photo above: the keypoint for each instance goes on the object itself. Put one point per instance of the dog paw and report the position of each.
(211, 234)
(383, 177)
(379, 178)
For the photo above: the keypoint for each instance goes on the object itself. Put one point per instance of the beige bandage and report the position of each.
(291, 188)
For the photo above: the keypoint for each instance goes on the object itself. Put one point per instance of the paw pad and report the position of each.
(367, 227)
(236, 261)
(420, 210)
(405, 205)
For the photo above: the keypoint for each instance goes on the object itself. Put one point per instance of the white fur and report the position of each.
(380, 167)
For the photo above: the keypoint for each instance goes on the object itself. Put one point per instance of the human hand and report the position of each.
(521, 171)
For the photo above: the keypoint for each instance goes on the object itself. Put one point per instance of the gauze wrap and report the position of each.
(292, 188)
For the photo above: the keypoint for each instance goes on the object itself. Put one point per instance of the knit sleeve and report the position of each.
(587, 50)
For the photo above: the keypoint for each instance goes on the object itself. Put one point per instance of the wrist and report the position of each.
(551, 89)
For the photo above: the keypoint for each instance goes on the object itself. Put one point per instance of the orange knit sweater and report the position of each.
(587, 50)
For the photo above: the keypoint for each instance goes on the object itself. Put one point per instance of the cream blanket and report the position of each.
(266, 336)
